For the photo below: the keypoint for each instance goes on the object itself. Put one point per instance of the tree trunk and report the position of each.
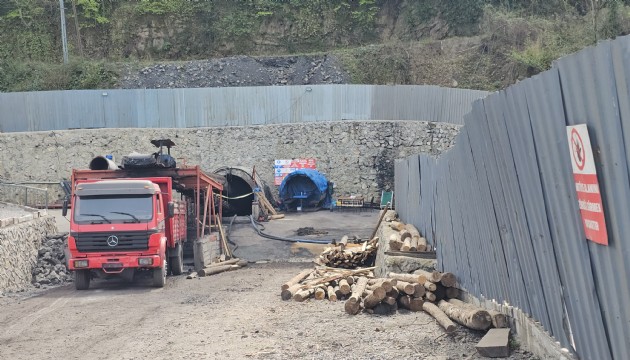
(320, 293)
(389, 300)
(471, 318)
(499, 320)
(414, 244)
(296, 279)
(344, 287)
(429, 286)
(419, 290)
(404, 235)
(406, 246)
(452, 293)
(397, 225)
(353, 304)
(394, 242)
(439, 316)
(371, 301)
(422, 244)
(410, 303)
(378, 291)
(77, 27)
(447, 279)
(211, 270)
(406, 287)
(287, 294)
(412, 278)
(303, 295)
(387, 284)
(330, 291)
(429, 296)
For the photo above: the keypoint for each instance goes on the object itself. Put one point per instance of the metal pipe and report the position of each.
(102, 163)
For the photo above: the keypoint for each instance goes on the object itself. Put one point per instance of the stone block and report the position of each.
(495, 344)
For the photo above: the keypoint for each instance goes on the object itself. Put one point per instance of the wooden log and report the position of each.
(226, 262)
(353, 304)
(406, 287)
(320, 293)
(378, 291)
(452, 293)
(276, 217)
(419, 290)
(390, 300)
(343, 242)
(412, 230)
(387, 284)
(397, 225)
(440, 292)
(380, 219)
(394, 242)
(287, 294)
(410, 303)
(427, 275)
(296, 279)
(344, 287)
(371, 301)
(422, 244)
(471, 318)
(413, 278)
(439, 316)
(499, 320)
(211, 270)
(429, 286)
(414, 244)
(447, 279)
(350, 280)
(404, 235)
(406, 246)
(192, 275)
(302, 295)
(429, 296)
(393, 293)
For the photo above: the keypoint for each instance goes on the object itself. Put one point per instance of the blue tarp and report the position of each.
(307, 185)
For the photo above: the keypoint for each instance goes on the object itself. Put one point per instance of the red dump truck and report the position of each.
(125, 221)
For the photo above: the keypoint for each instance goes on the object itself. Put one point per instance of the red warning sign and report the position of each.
(586, 184)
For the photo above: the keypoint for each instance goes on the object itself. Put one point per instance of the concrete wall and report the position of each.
(357, 156)
(20, 240)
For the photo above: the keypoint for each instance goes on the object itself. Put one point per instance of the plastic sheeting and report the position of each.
(307, 187)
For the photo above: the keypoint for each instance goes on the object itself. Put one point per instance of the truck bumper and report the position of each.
(115, 264)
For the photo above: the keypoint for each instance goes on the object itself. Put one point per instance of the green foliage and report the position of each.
(31, 76)
(92, 10)
(387, 64)
(462, 16)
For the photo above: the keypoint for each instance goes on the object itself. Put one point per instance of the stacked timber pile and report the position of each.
(406, 238)
(348, 256)
(219, 267)
(433, 293)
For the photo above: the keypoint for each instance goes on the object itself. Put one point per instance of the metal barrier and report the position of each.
(24, 195)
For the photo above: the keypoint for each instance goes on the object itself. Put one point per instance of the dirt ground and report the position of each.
(237, 315)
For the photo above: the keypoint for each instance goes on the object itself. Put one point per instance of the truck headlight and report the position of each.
(145, 261)
(80, 263)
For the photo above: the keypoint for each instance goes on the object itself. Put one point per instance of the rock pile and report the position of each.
(51, 263)
(237, 71)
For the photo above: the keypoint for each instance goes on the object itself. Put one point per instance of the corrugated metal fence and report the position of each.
(204, 107)
(501, 206)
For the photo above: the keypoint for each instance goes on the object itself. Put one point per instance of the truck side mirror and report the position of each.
(64, 209)
(170, 210)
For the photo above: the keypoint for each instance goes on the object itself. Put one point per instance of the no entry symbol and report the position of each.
(577, 150)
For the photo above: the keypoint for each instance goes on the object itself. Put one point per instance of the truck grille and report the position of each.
(98, 242)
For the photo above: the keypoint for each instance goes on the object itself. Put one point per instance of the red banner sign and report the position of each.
(587, 185)
(282, 168)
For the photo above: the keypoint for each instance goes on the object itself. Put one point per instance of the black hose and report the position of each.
(260, 232)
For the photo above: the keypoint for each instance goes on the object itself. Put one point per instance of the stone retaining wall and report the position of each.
(358, 156)
(20, 240)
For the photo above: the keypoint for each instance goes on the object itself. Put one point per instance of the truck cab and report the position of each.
(125, 226)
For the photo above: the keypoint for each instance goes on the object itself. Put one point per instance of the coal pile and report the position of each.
(51, 263)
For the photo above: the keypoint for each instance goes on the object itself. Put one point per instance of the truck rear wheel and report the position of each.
(176, 262)
(159, 276)
(82, 279)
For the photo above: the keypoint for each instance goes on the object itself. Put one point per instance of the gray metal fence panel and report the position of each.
(546, 108)
(236, 106)
(589, 75)
(522, 147)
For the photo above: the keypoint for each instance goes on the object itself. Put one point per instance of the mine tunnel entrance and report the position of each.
(238, 196)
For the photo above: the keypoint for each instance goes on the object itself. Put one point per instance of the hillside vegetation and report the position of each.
(480, 44)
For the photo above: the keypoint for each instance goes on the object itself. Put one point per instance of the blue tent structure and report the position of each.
(306, 188)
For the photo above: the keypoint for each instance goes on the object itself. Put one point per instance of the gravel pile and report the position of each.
(237, 71)
(51, 263)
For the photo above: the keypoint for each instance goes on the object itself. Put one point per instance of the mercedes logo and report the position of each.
(112, 240)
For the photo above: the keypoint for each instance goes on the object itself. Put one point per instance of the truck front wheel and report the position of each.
(82, 279)
(159, 276)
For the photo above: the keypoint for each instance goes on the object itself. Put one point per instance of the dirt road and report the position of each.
(236, 315)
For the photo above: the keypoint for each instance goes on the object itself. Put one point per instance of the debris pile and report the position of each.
(349, 256)
(406, 238)
(50, 268)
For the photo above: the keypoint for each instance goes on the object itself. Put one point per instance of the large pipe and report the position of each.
(102, 163)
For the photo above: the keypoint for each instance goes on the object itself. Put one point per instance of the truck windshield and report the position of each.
(108, 209)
